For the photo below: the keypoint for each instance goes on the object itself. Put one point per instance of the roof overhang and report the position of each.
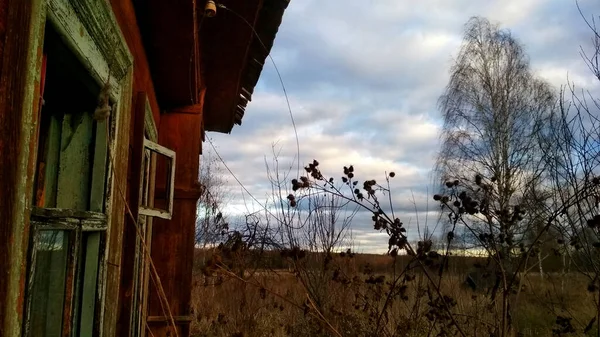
(232, 57)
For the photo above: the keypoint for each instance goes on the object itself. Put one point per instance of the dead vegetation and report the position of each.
(273, 302)
(519, 183)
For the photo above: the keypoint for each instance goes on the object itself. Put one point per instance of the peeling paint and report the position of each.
(26, 155)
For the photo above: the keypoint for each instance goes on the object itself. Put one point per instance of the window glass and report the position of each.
(48, 295)
(89, 281)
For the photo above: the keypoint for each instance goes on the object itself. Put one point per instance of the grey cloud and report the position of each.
(364, 79)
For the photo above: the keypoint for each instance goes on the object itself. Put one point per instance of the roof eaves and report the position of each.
(266, 28)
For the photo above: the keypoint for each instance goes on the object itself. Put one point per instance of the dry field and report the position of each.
(350, 301)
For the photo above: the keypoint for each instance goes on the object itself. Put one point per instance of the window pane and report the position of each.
(73, 152)
(47, 299)
(74, 170)
(89, 280)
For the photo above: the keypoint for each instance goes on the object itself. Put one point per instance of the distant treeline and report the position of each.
(379, 263)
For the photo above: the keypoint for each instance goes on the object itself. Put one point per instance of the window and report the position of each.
(68, 220)
(151, 150)
(75, 225)
(141, 272)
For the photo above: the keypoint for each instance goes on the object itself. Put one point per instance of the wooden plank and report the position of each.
(73, 188)
(90, 280)
(149, 126)
(42, 143)
(136, 323)
(170, 187)
(173, 256)
(71, 224)
(146, 276)
(129, 231)
(115, 207)
(149, 224)
(227, 63)
(93, 225)
(91, 31)
(64, 225)
(100, 22)
(100, 288)
(173, 250)
(71, 283)
(127, 18)
(52, 160)
(50, 213)
(21, 62)
(159, 149)
(164, 319)
(155, 212)
(247, 94)
(97, 193)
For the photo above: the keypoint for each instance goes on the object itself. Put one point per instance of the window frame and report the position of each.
(171, 156)
(141, 267)
(90, 31)
(74, 224)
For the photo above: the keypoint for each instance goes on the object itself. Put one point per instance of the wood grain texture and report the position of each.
(9, 136)
(173, 241)
(117, 210)
(125, 15)
(21, 62)
(92, 20)
(129, 231)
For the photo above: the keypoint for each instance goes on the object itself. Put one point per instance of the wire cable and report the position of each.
(239, 182)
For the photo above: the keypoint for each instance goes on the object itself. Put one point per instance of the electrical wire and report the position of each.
(220, 5)
(239, 182)
(288, 106)
(162, 297)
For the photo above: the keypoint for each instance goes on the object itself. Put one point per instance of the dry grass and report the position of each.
(272, 303)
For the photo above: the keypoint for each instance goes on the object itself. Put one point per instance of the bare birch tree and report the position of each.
(493, 110)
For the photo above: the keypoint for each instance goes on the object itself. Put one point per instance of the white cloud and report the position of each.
(364, 78)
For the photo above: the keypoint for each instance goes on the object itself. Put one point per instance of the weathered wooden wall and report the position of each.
(173, 241)
(142, 80)
(179, 130)
(136, 151)
(9, 140)
(19, 93)
(119, 282)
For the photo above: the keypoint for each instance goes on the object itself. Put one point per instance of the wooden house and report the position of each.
(103, 109)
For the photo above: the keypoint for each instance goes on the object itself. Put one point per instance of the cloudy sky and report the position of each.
(363, 79)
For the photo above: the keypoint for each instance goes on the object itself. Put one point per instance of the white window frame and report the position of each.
(141, 274)
(171, 156)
